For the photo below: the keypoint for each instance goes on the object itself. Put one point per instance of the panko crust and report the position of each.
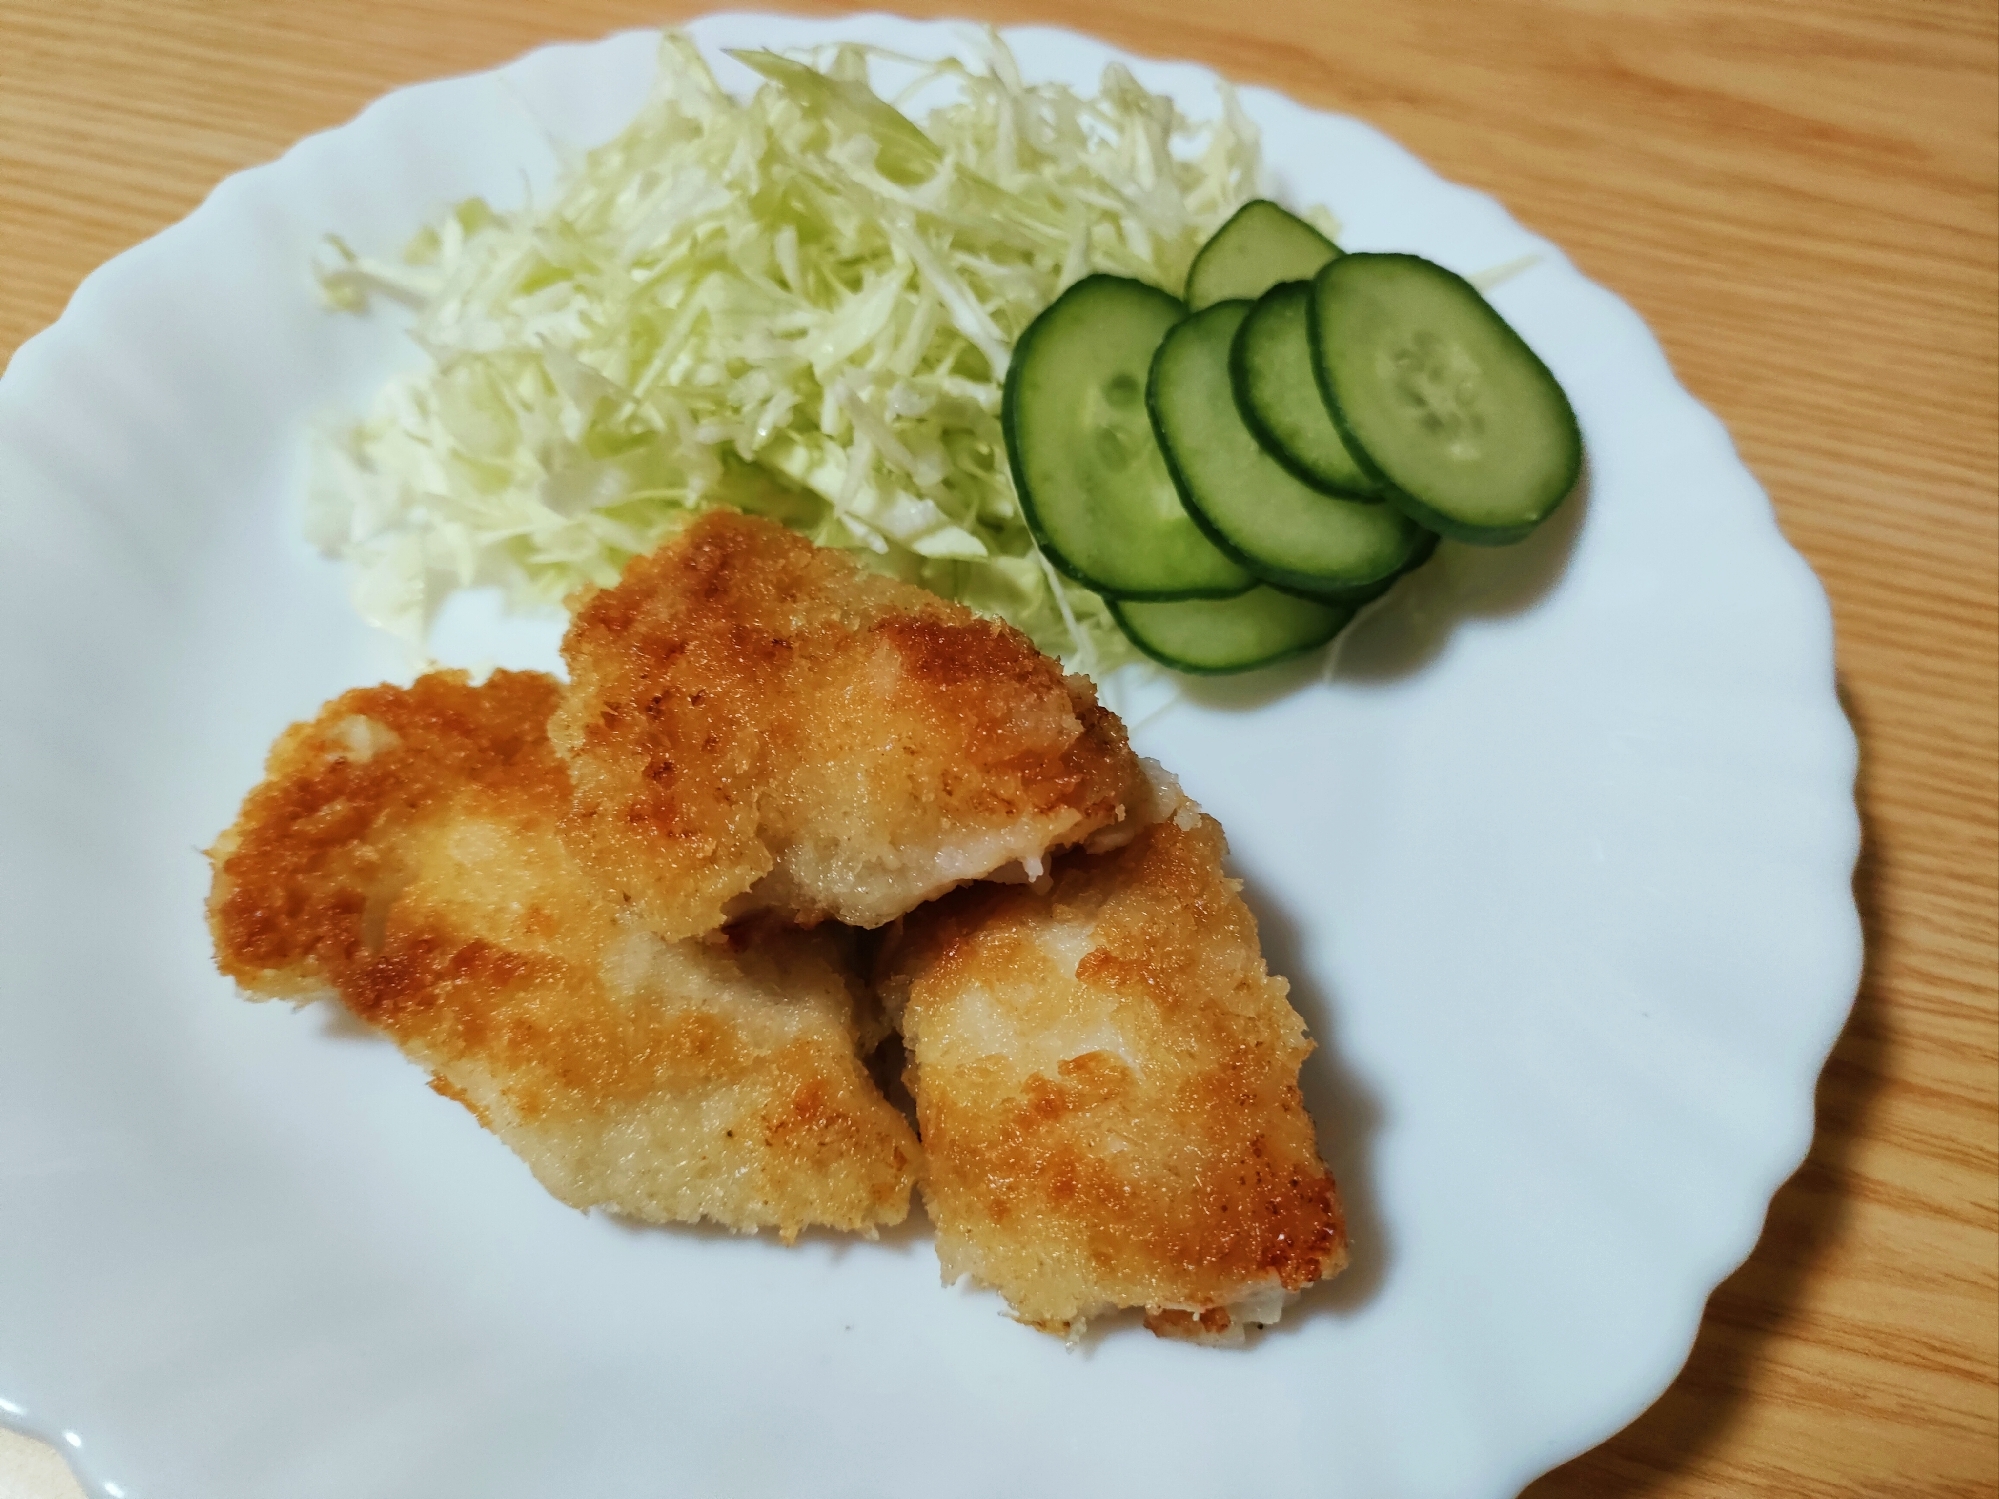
(1105, 1077)
(402, 854)
(755, 722)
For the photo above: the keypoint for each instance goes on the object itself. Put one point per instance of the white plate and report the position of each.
(1558, 862)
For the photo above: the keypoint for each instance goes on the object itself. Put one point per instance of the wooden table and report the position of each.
(1799, 196)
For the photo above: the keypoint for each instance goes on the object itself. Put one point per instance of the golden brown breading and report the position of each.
(1105, 1078)
(402, 853)
(758, 723)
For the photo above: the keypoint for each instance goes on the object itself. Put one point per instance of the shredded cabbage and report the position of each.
(801, 304)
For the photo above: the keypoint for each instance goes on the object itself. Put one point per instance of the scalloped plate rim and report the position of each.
(1778, 1158)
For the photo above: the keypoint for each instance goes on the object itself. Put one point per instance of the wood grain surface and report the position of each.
(1802, 198)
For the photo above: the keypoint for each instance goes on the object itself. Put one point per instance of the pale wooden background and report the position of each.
(1801, 197)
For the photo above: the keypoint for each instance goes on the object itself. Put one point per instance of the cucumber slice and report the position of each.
(1211, 636)
(1257, 248)
(1253, 507)
(1092, 485)
(1368, 593)
(1440, 399)
(1270, 368)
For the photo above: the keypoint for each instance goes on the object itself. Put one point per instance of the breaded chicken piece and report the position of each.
(402, 853)
(1105, 1078)
(756, 723)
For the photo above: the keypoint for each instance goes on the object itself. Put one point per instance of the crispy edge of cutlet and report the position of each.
(309, 896)
(1020, 1180)
(725, 638)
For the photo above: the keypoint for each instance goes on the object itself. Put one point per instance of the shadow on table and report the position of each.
(1706, 1402)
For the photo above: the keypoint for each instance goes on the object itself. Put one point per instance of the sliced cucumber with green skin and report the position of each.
(1251, 506)
(1368, 593)
(1257, 248)
(1092, 484)
(1270, 369)
(1439, 399)
(1212, 636)
(1230, 634)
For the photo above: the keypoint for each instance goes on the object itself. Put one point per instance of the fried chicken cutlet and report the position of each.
(754, 723)
(1105, 1077)
(402, 854)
